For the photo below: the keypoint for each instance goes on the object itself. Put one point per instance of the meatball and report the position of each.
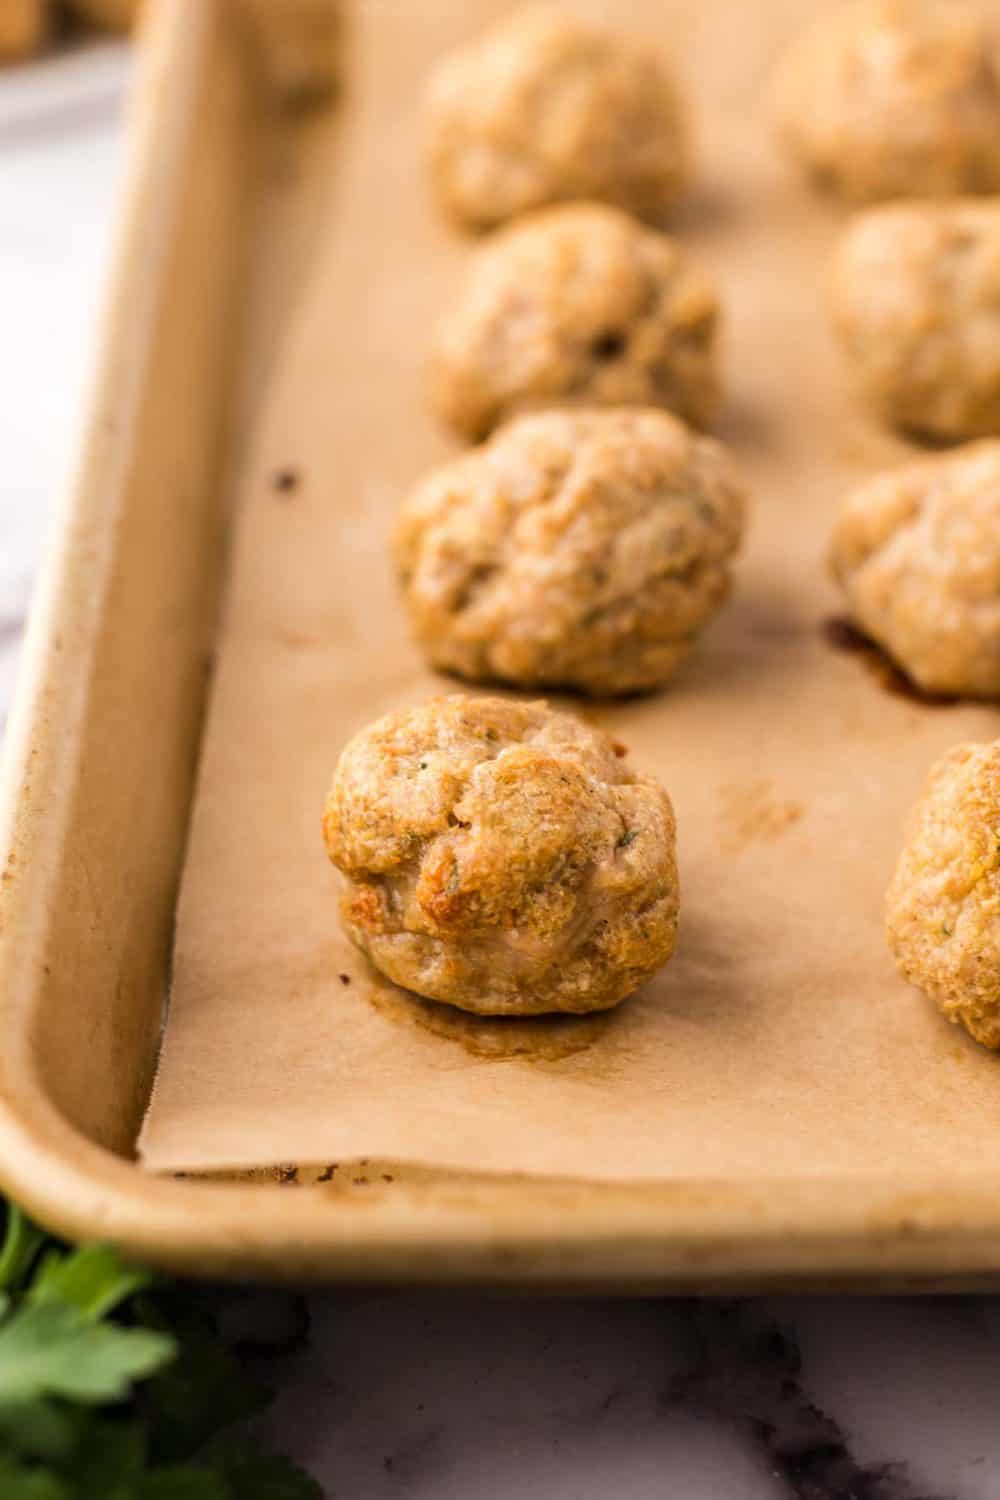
(577, 549)
(503, 857)
(578, 304)
(916, 302)
(943, 906)
(917, 553)
(892, 99)
(547, 108)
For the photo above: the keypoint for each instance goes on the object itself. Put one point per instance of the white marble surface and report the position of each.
(452, 1396)
(60, 159)
(447, 1397)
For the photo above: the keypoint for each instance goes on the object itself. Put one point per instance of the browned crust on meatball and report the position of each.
(943, 905)
(503, 857)
(883, 99)
(546, 108)
(915, 298)
(583, 305)
(917, 553)
(580, 549)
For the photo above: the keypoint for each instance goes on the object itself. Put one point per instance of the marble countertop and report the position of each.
(452, 1396)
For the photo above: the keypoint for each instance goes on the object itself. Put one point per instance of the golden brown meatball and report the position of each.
(503, 857)
(916, 302)
(943, 907)
(579, 304)
(894, 98)
(917, 553)
(545, 109)
(576, 549)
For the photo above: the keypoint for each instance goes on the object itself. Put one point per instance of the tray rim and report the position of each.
(511, 1231)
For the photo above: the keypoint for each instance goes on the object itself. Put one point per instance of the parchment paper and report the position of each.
(779, 1040)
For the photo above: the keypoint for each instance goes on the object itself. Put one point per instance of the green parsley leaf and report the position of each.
(93, 1280)
(116, 1386)
(50, 1349)
(21, 1243)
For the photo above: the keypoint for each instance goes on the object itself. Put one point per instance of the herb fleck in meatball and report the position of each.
(578, 304)
(503, 857)
(917, 553)
(916, 301)
(892, 99)
(943, 908)
(546, 108)
(576, 549)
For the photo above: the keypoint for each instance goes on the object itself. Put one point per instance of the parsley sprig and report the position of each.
(115, 1386)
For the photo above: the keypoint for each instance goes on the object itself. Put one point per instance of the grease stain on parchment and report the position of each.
(752, 811)
(493, 1038)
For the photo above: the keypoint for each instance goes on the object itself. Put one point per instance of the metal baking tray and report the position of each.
(98, 778)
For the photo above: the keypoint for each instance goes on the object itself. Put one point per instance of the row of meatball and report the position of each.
(501, 856)
(877, 99)
(880, 99)
(582, 303)
(507, 859)
(900, 99)
(586, 548)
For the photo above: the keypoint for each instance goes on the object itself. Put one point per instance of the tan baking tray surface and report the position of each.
(778, 1105)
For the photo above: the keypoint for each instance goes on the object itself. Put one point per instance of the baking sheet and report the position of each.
(779, 1040)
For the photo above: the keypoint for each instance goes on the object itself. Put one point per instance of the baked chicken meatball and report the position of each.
(893, 99)
(917, 553)
(943, 906)
(545, 109)
(503, 858)
(916, 302)
(577, 304)
(580, 548)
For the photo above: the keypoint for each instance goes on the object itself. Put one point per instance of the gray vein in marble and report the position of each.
(436, 1395)
(749, 1371)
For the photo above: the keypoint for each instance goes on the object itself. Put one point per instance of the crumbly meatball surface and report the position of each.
(579, 549)
(916, 302)
(943, 906)
(577, 304)
(893, 98)
(503, 857)
(546, 109)
(917, 553)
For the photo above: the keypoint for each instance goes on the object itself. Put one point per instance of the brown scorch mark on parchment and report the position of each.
(286, 481)
(749, 811)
